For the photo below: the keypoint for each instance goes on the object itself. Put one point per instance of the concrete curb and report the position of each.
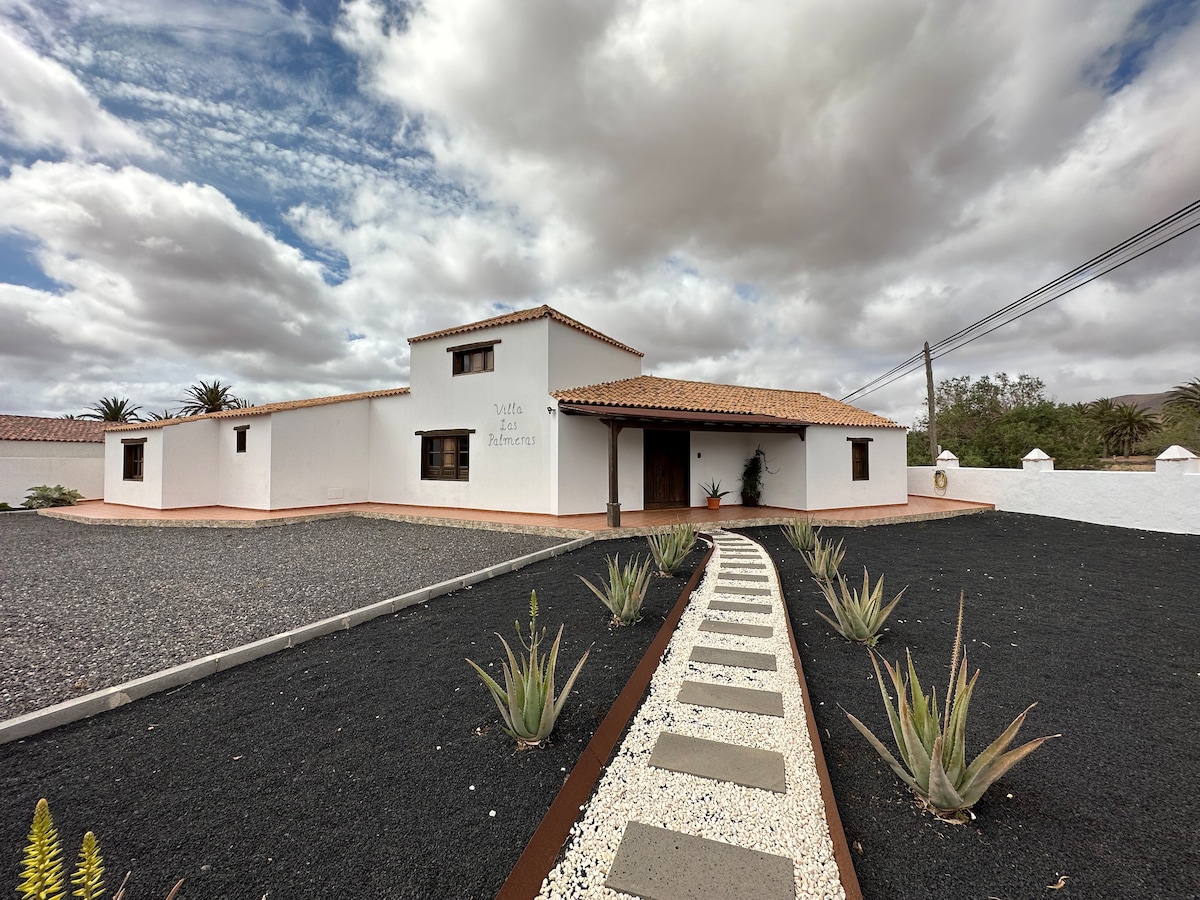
(68, 711)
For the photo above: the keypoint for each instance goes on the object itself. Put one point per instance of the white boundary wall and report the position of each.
(77, 465)
(1152, 501)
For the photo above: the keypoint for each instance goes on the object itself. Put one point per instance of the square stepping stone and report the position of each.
(739, 699)
(747, 591)
(660, 864)
(716, 627)
(735, 606)
(741, 576)
(764, 662)
(747, 766)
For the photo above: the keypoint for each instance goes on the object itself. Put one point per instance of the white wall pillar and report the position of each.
(1037, 461)
(1176, 460)
(947, 460)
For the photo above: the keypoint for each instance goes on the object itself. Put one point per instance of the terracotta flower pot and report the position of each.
(714, 502)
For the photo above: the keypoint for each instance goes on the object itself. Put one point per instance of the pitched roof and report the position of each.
(650, 392)
(266, 408)
(38, 428)
(525, 315)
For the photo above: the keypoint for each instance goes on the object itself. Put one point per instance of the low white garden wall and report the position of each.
(1152, 501)
(80, 473)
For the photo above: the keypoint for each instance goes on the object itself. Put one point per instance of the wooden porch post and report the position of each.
(614, 501)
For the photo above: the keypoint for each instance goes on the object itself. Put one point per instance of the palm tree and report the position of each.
(161, 416)
(1101, 413)
(1128, 425)
(113, 409)
(1185, 397)
(209, 398)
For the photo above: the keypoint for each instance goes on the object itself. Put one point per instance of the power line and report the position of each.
(1161, 232)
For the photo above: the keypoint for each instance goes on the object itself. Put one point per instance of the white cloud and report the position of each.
(155, 272)
(44, 106)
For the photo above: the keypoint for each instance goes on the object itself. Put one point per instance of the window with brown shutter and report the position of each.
(472, 358)
(446, 457)
(860, 460)
(134, 461)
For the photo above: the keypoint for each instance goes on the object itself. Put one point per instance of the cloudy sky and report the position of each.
(785, 193)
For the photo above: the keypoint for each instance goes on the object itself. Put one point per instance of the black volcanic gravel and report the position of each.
(316, 772)
(89, 606)
(363, 764)
(1100, 626)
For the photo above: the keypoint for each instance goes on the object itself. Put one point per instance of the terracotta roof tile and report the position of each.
(649, 392)
(38, 428)
(525, 315)
(267, 408)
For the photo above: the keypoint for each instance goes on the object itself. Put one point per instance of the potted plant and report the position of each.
(714, 493)
(752, 478)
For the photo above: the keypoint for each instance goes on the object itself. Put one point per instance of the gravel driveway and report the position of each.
(84, 607)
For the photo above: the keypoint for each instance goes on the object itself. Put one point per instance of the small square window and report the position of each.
(134, 461)
(470, 360)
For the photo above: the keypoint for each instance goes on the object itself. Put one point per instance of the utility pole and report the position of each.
(933, 444)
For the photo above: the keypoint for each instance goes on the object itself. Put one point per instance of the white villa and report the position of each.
(526, 412)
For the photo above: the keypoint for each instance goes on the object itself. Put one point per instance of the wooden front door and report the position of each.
(667, 456)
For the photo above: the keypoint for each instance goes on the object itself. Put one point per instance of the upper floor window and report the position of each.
(472, 358)
(860, 465)
(240, 437)
(133, 458)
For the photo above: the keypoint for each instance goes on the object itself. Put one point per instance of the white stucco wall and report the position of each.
(319, 455)
(583, 466)
(78, 465)
(1154, 501)
(785, 482)
(244, 479)
(830, 477)
(188, 463)
(148, 491)
(575, 359)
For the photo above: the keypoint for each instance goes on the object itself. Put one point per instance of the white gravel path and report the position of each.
(791, 824)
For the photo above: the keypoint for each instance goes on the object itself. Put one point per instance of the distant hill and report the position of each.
(1147, 403)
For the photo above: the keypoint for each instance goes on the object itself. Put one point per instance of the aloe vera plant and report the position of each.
(824, 558)
(625, 589)
(42, 875)
(933, 754)
(860, 616)
(528, 702)
(671, 548)
(801, 534)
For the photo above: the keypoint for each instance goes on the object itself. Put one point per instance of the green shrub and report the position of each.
(41, 496)
(859, 616)
(671, 548)
(933, 754)
(625, 589)
(800, 534)
(527, 702)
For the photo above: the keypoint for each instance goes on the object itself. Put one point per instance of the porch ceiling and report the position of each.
(685, 420)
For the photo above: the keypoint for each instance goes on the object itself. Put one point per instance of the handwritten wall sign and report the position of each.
(510, 431)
